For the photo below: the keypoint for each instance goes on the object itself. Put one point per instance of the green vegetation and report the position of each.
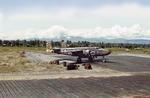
(8, 69)
(17, 49)
(41, 43)
(11, 61)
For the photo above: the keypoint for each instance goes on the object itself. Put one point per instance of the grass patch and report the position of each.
(11, 61)
(8, 69)
(135, 50)
(16, 49)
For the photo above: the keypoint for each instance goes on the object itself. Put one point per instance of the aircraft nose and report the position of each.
(109, 51)
(105, 51)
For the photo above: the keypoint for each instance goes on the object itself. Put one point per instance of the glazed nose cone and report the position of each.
(106, 52)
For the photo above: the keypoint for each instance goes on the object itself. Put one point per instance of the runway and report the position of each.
(126, 63)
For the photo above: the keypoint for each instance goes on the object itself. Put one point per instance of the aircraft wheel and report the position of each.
(104, 60)
(79, 60)
(90, 59)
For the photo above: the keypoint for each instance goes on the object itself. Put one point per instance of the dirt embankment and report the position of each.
(13, 62)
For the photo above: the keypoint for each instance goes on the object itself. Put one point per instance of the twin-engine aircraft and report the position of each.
(83, 52)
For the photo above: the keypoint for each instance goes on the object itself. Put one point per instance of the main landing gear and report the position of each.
(90, 59)
(79, 60)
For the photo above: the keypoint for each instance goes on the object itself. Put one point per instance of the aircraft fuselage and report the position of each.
(83, 52)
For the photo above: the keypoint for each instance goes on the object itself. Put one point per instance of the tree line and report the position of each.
(23, 43)
(107, 45)
(41, 43)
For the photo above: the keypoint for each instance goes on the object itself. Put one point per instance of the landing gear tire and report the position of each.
(104, 60)
(79, 60)
(90, 59)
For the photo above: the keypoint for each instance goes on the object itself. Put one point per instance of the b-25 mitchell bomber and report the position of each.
(83, 52)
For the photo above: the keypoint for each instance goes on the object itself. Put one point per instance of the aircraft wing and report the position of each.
(39, 57)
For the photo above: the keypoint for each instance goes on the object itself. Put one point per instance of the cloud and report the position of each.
(58, 32)
(79, 22)
(41, 14)
(132, 10)
(116, 31)
(1, 21)
(122, 11)
(54, 32)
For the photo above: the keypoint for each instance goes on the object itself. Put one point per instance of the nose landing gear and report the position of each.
(104, 59)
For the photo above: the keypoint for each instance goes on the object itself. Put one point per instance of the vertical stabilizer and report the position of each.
(63, 44)
(49, 47)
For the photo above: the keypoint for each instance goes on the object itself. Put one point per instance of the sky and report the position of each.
(22, 19)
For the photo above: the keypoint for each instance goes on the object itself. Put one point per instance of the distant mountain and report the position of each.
(117, 40)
